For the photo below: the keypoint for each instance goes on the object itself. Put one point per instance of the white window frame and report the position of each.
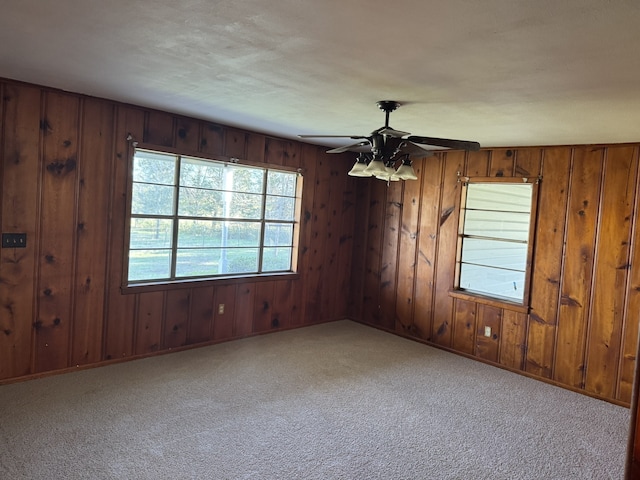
(175, 217)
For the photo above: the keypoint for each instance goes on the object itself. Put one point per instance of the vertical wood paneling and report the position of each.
(201, 321)
(149, 322)
(285, 305)
(57, 228)
(212, 139)
(582, 216)
(19, 196)
(478, 164)
(243, 310)
(488, 348)
(407, 253)
(346, 220)
(332, 189)
(358, 264)
(502, 163)
(94, 185)
(610, 275)
(513, 339)
(118, 336)
(235, 143)
(464, 326)
(255, 147)
(371, 294)
(187, 134)
(446, 256)
(176, 318)
(632, 310)
(430, 206)
(263, 307)
(528, 162)
(223, 322)
(159, 128)
(389, 262)
(552, 203)
(274, 151)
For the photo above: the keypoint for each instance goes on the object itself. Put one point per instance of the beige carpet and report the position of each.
(333, 401)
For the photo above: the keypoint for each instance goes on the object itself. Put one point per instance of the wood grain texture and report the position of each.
(389, 260)
(149, 322)
(513, 342)
(578, 265)
(19, 213)
(488, 348)
(611, 268)
(201, 318)
(502, 162)
(53, 321)
(263, 314)
(464, 326)
(92, 229)
(177, 312)
(223, 322)
(548, 252)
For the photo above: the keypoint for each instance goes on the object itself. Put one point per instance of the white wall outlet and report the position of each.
(487, 331)
(221, 309)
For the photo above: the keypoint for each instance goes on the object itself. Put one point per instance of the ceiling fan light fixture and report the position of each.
(406, 171)
(358, 169)
(376, 167)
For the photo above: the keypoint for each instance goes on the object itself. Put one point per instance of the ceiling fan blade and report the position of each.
(391, 132)
(415, 150)
(354, 137)
(348, 147)
(445, 142)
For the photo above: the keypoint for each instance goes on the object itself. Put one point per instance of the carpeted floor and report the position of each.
(333, 401)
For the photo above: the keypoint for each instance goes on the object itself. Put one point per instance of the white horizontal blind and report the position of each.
(495, 239)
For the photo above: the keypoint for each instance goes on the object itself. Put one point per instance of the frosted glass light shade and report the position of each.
(406, 172)
(388, 175)
(376, 167)
(359, 170)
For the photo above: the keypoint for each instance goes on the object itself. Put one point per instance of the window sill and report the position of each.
(205, 282)
(493, 302)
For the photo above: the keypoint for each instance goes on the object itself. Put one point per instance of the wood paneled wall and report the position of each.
(63, 171)
(582, 328)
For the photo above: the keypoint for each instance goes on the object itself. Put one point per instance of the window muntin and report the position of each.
(494, 239)
(195, 218)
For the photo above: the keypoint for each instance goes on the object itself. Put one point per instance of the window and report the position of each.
(193, 218)
(494, 239)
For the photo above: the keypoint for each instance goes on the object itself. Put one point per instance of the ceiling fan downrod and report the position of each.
(387, 106)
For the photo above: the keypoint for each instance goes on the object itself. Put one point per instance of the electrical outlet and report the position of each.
(14, 240)
(487, 331)
(221, 309)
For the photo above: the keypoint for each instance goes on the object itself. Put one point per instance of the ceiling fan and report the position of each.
(389, 145)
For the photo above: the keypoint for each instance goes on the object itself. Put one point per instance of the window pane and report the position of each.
(280, 208)
(199, 233)
(149, 264)
(151, 233)
(194, 262)
(201, 173)
(151, 199)
(491, 281)
(154, 167)
(243, 205)
(278, 234)
(195, 202)
(500, 196)
(281, 183)
(276, 259)
(241, 234)
(495, 253)
(239, 260)
(244, 179)
(508, 225)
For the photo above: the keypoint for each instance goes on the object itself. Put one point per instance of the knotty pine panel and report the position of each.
(225, 295)
(488, 348)
(409, 229)
(235, 143)
(187, 134)
(244, 310)
(576, 279)
(263, 307)
(94, 189)
(159, 128)
(513, 342)
(212, 139)
(611, 271)
(120, 313)
(177, 312)
(446, 251)
(375, 228)
(201, 317)
(57, 229)
(356, 285)
(430, 207)
(149, 322)
(389, 261)
(548, 252)
(19, 213)
(478, 164)
(464, 326)
(502, 163)
(345, 237)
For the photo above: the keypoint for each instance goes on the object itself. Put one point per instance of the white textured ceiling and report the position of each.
(501, 72)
